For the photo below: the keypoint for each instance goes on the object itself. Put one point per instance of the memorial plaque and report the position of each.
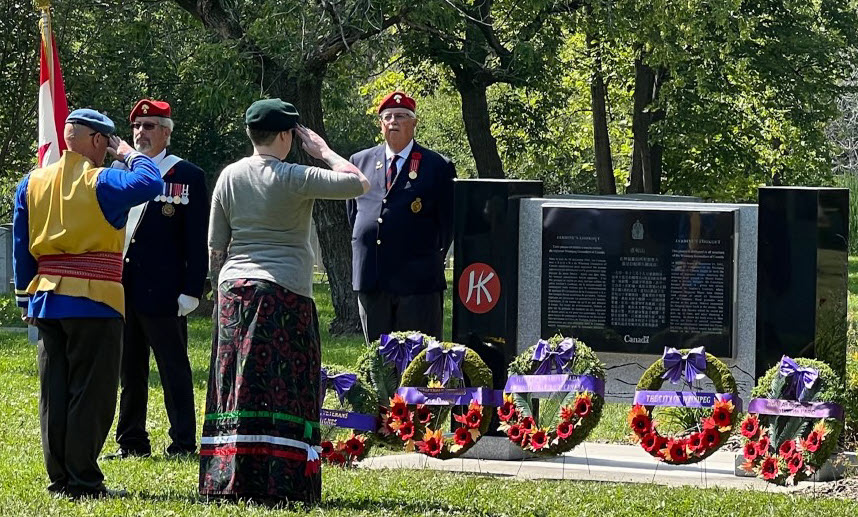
(635, 281)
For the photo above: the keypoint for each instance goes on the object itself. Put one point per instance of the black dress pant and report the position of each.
(382, 313)
(168, 339)
(79, 374)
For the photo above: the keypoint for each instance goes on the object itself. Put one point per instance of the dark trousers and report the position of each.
(79, 374)
(382, 313)
(168, 339)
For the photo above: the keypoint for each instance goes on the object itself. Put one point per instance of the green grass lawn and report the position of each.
(162, 487)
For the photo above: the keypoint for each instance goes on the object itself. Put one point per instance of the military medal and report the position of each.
(416, 205)
(185, 190)
(377, 165)
(168, 210)
(176, 198)
(412, 174)
(163, 196)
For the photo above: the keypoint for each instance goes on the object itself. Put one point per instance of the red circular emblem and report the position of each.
(479, 288)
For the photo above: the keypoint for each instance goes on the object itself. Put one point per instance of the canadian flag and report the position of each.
(53, 108)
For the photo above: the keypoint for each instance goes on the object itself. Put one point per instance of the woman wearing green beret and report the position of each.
(261, 428)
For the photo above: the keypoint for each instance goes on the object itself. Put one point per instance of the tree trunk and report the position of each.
(478, 126)
(646, 169)
(601, 140)
(331, 222)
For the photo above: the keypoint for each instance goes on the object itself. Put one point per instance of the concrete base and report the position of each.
(837, 466)
(496, 448)
(614, 463)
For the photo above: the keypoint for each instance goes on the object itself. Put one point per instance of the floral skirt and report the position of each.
(261, 425)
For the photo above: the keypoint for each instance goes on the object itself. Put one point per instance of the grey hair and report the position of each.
(167, 123)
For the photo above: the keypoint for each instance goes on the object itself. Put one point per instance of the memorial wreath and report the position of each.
(793, 422)
(437, 383)
(382, 366)
(347, 403)
(704, 420)
(568, 380)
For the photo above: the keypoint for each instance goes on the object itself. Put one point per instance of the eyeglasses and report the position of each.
(97, 133)
(399, 117)
(148, 126)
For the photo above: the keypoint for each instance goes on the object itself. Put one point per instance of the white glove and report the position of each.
(187, 304)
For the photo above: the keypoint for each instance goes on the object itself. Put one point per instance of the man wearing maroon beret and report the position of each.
(165, 267)
(402, 228)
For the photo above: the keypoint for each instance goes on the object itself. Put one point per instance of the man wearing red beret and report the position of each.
(402, 228)
(166, 262)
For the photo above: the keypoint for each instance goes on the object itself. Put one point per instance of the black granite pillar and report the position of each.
(802, 284)
(485, 271)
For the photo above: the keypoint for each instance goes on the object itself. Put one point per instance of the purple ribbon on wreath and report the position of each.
(445, 363)
(800, 378)
(553, 360)
(692, 365)
(400, 353)
(341, 383)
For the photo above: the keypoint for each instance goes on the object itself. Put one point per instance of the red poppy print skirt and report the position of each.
(261, 426)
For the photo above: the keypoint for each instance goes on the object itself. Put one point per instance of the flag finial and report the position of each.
(43, 5)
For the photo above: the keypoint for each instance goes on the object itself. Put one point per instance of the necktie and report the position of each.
(391, 171)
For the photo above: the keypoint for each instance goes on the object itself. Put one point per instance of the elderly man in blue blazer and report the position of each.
(402, 228)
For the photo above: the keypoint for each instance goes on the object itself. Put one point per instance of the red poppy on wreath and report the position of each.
(337, 458)
(462, 436)
(398, 408)
(583, 405)
(567, 413)
(769, 468)
(812, 443)
(763, 446)
(538, 439)
(695, 442)
(787, 449)
(676, 451)
(652, 442)
(640, 420)
(432, 443)
(354, 446)
(516, 433)
(424, 415)
(711, 438)
(750, 451)
(508, 410)
(564, 430)
(526, 424)
(327, 448)
(795, 463)
(406, 430)
(750, 426)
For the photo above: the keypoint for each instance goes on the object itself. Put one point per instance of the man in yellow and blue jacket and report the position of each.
(68, 235)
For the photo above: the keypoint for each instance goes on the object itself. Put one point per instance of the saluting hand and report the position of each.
(312, 143)
(119, 148)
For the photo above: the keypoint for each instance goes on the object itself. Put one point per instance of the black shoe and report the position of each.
(122, 454)
(176, 452)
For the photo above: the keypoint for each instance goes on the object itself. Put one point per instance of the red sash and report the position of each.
(95, 265)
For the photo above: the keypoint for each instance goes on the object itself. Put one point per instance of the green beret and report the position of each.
(271, 115)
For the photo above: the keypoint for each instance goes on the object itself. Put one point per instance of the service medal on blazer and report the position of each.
(377, 165)
(412, 174)
(168, 210)
(416, 205)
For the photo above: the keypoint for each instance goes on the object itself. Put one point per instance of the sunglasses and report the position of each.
(148, 126)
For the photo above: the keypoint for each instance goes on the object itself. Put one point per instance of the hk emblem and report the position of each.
(479, 288)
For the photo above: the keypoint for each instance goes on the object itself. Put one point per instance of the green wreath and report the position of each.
(419, 427)
(564, 419)
(383, 376)
(697, 432)
(787, 449)
(341, 446)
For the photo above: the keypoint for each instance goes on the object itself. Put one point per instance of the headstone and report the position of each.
(631, 277)
(485, 268)
(802, 275)
(6, 273)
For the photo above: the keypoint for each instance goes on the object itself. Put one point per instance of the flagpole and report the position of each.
(45, 26)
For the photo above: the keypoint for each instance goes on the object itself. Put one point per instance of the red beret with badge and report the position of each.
(398, 99)
(150, 108)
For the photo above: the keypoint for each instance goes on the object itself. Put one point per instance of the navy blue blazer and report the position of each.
(400, 238)
(168, 254)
